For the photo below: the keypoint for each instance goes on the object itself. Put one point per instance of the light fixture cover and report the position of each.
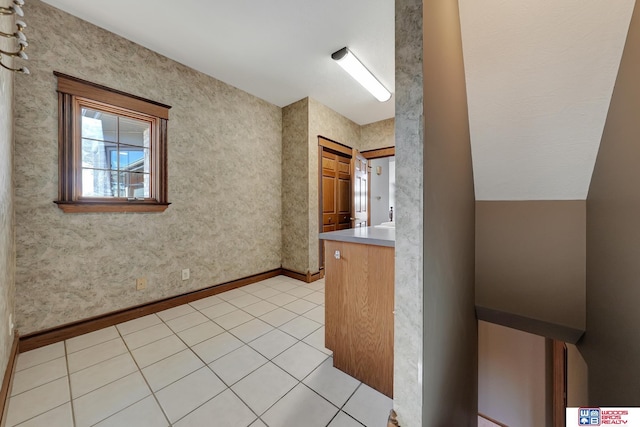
(347, 60)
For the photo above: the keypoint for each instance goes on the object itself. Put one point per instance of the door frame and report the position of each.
(367, 171)
(329, 145)
(377, 153)
(559, 373)
(326, 143)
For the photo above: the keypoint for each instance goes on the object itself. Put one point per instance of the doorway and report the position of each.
(335, 188)
(361, 186)
(382, 190)
(345, 177)
(526, 379)
(382, 185)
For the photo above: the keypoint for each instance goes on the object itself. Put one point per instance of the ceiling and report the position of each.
(277, 50)
(540, 73)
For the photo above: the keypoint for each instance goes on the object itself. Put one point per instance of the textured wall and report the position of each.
(325, 122)
(7, 248)
(409, 129)
(295, 187)
(224, 182)
(377, 135)
(610, 346)
(302, 123)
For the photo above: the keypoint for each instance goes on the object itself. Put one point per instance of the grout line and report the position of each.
(192, 326)
(176, 317)
(205, 365)
(120, 410)
(130, 348)
(35, 386)
(209, 298)
(281, 397)
(94, 344)
(66, 357)
(111, 382)
(340, 409)
(41, 363)
(103, 385)
(93, 364)
(137, 330)
(200, 342)
(270, 360)
(348, 415)
(229, 387)
(36, 416)
(190, 348)
(144, 379)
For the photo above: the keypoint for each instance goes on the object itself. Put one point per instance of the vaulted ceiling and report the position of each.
(540, 73)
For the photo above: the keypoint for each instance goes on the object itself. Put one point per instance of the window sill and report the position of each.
(112, 207)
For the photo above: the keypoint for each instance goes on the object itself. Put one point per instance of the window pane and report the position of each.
(96, 183)
(134, 159)
(117, 187)
(99, 125)
(99, 154)
(134, 184)
(135, 132)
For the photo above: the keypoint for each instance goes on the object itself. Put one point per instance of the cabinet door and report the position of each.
(359, 311)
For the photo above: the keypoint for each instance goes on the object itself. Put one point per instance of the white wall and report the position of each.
(511, 375)
(392, 185)
(379, 191)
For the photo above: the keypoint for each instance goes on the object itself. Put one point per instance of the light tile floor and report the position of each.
(252, 356)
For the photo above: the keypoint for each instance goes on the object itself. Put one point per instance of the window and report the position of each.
(112, 150)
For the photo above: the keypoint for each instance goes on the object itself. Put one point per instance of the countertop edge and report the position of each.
(378, 237)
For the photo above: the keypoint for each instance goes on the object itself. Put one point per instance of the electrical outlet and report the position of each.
(141, 283)
(185, 274)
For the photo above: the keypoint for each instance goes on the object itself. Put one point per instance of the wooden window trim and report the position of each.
(72, 92)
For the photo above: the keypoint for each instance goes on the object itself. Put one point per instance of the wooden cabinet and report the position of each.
(359, 311)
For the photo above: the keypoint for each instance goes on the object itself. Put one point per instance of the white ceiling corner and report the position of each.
(277, 50)
(539, 73)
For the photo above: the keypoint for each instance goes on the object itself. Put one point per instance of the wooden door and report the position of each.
(360, 211)
(336, 191)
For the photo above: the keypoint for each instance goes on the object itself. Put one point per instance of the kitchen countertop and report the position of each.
(379, 236)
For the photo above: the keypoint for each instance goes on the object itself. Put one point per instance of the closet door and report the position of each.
(336, 191)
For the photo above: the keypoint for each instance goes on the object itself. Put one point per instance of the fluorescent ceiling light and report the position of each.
(347, 60)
